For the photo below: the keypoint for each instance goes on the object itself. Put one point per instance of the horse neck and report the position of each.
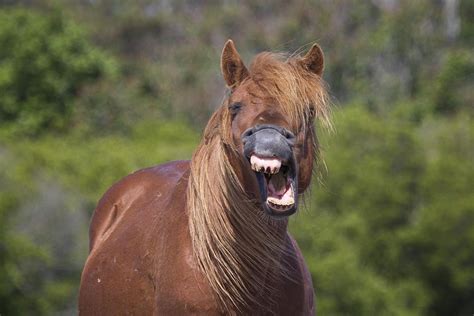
(237, 246)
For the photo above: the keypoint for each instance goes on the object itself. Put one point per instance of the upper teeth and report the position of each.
(267, 165)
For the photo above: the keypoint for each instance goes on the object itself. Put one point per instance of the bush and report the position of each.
(44, 61)
(453, 86)
(387, 232)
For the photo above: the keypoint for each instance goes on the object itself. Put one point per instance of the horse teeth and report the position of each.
(280, 203)
(266, 165)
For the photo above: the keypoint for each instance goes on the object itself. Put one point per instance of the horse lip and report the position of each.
(280, 214)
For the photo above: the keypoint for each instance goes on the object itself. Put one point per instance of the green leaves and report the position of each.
(44, 62)
(387, 231)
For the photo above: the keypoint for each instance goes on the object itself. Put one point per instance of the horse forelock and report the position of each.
(296, 90)
(237, 246)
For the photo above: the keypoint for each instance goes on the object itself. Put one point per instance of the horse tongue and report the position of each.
(277, 185)
(280, 191)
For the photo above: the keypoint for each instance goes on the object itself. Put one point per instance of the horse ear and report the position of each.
(232, 66)
(314, 60)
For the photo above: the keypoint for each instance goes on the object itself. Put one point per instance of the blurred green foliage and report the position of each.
(44, 61)
(452, 90)
(91, 91)
(388, 229)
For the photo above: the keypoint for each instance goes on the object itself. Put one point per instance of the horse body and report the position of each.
(209, 236)
(140, 248)
(141, 260)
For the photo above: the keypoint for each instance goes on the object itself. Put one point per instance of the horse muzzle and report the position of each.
(269, 149)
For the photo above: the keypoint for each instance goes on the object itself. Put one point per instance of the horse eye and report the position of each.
(234, 108)
(312, 112)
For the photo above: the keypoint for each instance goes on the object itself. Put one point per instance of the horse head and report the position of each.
(270, 112)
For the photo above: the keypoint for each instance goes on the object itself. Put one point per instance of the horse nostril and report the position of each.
(247, 133)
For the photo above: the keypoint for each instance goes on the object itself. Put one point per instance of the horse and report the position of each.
(209, 236)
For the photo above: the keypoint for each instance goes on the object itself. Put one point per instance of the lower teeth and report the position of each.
(277, 202)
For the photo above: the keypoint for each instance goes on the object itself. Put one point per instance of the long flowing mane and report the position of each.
(239, 247)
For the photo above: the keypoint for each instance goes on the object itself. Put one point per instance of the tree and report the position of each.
(44, 61)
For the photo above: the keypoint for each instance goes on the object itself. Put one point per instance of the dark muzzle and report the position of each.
(269, 141)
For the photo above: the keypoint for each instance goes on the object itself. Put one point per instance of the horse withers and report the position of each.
(209, 236)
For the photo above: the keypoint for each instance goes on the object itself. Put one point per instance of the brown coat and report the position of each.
(141, 260)
(210, 236)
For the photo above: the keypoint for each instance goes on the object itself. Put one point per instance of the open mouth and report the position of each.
(277, 184)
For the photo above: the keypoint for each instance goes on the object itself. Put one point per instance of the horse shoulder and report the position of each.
(146, 184)
(141, 258)
(127, 231)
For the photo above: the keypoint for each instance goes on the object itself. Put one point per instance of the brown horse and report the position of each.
(210, 236)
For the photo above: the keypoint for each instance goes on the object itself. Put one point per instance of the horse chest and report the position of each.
(180, 288)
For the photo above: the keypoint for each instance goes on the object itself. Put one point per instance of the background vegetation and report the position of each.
(92, 90)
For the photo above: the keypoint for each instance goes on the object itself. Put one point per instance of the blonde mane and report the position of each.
(237, 246)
